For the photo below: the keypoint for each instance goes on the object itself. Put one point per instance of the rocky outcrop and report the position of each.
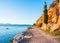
(53, 17)
(23, 37)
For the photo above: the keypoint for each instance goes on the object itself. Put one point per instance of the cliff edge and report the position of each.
(53, 17)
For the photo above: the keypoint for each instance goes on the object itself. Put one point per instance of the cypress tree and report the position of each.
(45, 14)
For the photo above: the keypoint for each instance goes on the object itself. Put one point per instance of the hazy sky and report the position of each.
(21, 11)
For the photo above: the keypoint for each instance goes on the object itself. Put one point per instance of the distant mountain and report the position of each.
(14, 24)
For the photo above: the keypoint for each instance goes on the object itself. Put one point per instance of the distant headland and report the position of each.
(2, 24)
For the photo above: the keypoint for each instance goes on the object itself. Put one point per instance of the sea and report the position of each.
(7, 33)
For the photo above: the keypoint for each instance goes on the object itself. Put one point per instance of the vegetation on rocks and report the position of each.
(34, 24)
(49, 18)
(40, 25)
(52, 5)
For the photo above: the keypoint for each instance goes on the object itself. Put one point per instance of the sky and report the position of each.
(21, 11)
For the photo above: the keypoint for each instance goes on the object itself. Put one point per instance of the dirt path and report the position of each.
(38, 36)
(41, 37)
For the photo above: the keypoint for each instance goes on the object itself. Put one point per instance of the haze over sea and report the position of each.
(8, 32)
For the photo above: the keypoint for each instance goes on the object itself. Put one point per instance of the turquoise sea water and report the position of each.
(8, 32)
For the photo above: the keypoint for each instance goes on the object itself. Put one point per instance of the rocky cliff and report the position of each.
(53, 17)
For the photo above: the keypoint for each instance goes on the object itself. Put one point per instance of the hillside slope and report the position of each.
(53, 17)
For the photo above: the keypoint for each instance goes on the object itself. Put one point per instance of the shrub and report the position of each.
(56, 32)
(52, 5)
(34, 24)
(29, 27)
(40, 25)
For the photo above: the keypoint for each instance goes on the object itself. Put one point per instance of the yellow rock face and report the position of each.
(53, 17)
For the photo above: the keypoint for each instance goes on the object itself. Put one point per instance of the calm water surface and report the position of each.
(7, 34)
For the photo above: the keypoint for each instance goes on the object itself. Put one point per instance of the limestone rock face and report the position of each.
(53, 17)
(56, 0)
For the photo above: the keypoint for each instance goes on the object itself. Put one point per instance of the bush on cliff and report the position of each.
(52, 5)
(34, 24)
(40, 25)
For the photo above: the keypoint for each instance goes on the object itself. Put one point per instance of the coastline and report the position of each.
(23, 35)
(34, 35)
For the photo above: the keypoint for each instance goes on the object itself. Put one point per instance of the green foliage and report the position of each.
(40, 25)
(52, 5)
(57, 32)
(34, 24)
(30, 27)
(45, 14)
